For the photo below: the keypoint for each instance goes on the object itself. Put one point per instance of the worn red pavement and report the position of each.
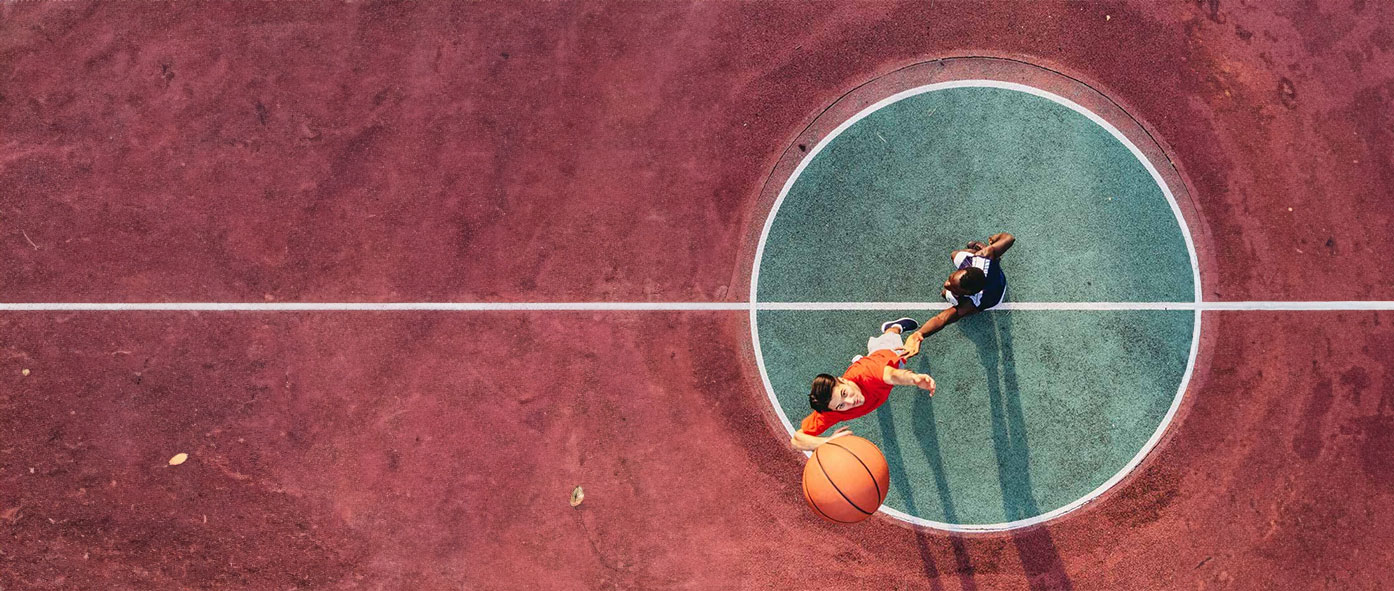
(431, 451)
(501, 152)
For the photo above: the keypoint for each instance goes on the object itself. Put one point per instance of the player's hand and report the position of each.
(840, 432)
(912, 346)
(924, 382)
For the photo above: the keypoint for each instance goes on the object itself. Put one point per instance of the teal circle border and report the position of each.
(1157, 435)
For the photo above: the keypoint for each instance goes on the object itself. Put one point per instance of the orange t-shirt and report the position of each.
(866, 374)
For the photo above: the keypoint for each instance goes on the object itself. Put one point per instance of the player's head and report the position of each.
(830, 393)
(965, 282)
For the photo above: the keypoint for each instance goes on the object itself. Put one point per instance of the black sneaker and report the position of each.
(906, 325)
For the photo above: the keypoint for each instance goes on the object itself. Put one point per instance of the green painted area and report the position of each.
(1034, 409)
(873, 216)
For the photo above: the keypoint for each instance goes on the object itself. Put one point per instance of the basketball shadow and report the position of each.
(991, 334)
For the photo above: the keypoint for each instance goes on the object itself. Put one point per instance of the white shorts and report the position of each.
(889, 340)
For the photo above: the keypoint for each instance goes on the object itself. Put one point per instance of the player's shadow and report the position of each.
(991, 334)
(923, 414)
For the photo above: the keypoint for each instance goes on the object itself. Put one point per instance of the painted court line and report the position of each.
(753, 305)
(1091, 306)
(381, 306)
(1256, 306)
(1156, 177)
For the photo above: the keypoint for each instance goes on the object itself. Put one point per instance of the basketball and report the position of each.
(846, 479)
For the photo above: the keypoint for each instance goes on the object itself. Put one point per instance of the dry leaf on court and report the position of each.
(178, 459)
(577, 496)
(24, 372)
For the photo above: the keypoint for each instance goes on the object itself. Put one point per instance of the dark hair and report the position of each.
(822, 392)
(972, 281)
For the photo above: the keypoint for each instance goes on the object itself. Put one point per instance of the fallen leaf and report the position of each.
(178, 459)
(577, 496)
(24, 372)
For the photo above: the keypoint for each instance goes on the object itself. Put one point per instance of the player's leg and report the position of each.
(890, 337)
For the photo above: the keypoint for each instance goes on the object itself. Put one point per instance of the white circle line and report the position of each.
(1156, 177)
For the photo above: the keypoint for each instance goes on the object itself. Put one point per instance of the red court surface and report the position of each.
(433, 152)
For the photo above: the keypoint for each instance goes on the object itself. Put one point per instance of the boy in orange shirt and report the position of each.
(862, 388)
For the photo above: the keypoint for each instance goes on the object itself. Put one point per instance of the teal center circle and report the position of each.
(1037, 411)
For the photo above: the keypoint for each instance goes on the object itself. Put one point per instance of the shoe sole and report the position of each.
(887, 325)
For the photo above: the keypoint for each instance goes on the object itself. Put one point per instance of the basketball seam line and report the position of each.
(835, 487)
(864, 467)
(820, 510)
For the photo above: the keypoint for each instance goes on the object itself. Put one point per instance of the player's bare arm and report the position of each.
(805, 442)
(937, 323)
(902, 377)
(997, 245)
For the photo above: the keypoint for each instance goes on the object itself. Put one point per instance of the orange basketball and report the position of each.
(846, 479)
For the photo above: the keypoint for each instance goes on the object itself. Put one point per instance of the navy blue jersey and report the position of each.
(993, 292)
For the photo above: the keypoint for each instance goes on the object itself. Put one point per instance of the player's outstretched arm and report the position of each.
(805, 442)
(997, 245)
(938, 322)
(901, 377)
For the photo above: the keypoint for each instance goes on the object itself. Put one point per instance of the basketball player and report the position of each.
(977, 283)
(862, 388)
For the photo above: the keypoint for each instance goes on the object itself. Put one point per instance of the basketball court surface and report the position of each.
(354, 296)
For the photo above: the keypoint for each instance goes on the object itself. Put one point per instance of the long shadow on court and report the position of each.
(991, 333)
(963, 565)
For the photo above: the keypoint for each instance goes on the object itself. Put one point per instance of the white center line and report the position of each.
(1204, 306)
(671, 306)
